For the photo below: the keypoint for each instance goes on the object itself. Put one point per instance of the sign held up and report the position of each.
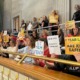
(54, 46)
(72, 45)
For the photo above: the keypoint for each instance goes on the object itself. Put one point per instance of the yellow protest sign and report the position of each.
(6, 38)
(70, 24)
(72, 45)
(0, 38)
(21, 34)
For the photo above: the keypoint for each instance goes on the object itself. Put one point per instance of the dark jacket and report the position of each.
(76, 16)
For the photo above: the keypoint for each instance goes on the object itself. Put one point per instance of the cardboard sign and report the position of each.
(6, 38)
(39, 48)
(70, 24)
(54, 46)
(72, 45)
(29, 27)
(0, 38)
(21, 34)
(5, 32)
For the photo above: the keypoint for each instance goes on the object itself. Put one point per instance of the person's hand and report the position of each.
(17, 42)
(66, 27)
(25, 42)
(53, 55)
(77, 56)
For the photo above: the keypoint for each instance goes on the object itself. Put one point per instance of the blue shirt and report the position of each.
(26, 50)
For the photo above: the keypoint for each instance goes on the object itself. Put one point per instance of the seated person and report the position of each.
(35, 35)
(44, 34)
(64, 67)
(61, 36)
(28, 49)
(4, 46)
(41, 62)
(11, 48)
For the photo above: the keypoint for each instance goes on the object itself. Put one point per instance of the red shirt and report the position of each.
(47, 54)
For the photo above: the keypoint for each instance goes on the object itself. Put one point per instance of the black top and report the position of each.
(76, 16)
(45, 22)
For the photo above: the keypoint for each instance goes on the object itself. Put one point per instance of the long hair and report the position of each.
(78, 33)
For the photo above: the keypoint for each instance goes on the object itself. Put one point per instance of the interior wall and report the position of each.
(1, 14)
(27, 9)
(7, 14)
(73, 3)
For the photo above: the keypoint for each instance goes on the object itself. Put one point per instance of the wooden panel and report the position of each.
(13, 75)
(36, 71)
(22, 77)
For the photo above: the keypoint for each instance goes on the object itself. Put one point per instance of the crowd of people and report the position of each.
(27, 45)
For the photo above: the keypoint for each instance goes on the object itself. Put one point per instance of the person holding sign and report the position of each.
(61, 36)
(44, 34)
(5, 37)
(45, 53)
(75, 57)
(21, 34)
(74, 32)
(28, 49)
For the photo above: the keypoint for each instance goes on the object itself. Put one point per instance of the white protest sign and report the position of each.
(29, 26)
(54, 46)
(5, 32)
(39, 48)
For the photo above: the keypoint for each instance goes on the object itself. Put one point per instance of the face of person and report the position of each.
(11, 43)
(28, 42)
(34, 19)
(34, 34)
(22, 21)
(75, 31)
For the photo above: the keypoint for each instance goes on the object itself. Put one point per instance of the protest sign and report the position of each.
(21, 34)
(54, 46)
(72, 45)
(5, 32)
(39, 48)
(70, 24)
(6, 38)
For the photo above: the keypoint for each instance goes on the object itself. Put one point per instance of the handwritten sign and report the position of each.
(39, 48)
(21, 34)
(70, 24)
(72, 45)
(6, 38)
(5, 32)
(54, 46)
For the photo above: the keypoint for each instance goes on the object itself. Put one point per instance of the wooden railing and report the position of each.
(12, 70)
(44, 58)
